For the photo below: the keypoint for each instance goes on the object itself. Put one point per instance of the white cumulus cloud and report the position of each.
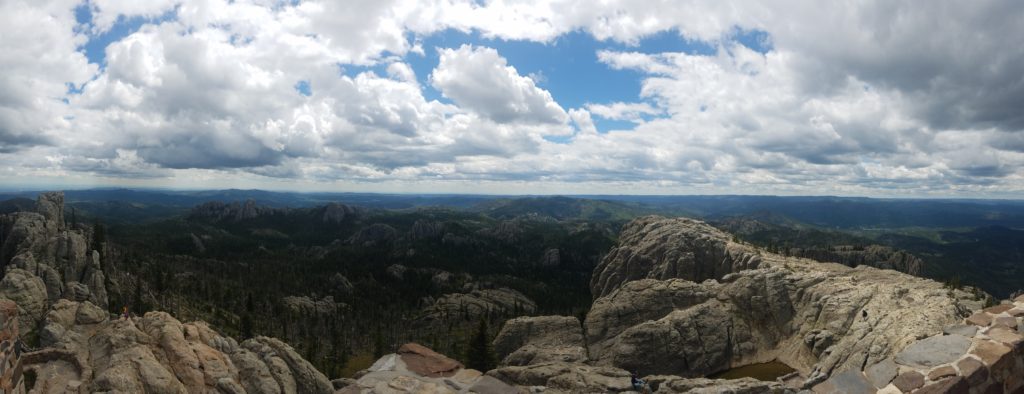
(480, 79)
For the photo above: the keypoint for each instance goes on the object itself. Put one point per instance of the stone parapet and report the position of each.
(985, 354)
(10, 350)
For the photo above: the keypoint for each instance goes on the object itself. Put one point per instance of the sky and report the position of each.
(919, 98)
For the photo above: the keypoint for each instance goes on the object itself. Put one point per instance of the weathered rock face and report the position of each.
(534, 340)
(306, 305)
(658, 248)
(552, 258)
(10, 349)
(477, 302)
(40, 243)
(374, 234)
(872, 255)
(159, 354)
(675, 384)
(424, 229)
(678, 299)
(29, 293)
(562, 377)
(417, 369)
(51, 206)
(336, 213)
(341, 283)
(817, 317)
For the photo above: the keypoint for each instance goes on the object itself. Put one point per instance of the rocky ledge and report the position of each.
(982, 354)
(417, 369)
(678, 300)
(54, 289)
(86, 351)
(45, 259)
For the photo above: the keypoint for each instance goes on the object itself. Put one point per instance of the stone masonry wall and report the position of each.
(984, 354)
(10, 350)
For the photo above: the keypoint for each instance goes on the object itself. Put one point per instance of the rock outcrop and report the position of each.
(11, 379)
(417, 369)
(158, 354)
(473, 304)
(657, 248)
(981, 355)
(872, 255)
(425, 229)
(29, 294)
(336, 213)
(374, 234)
(778, 231)
(39, 250)
(679, 298)
(305, 305)
(551, 258)
(534, 340)
(341, 284)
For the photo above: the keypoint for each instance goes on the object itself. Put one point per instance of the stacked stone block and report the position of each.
(983, 355)
(10, 350)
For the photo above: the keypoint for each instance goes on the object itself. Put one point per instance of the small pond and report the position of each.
(764, 371)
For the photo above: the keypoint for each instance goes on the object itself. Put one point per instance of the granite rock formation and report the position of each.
(472, 304)
(533, 340)
(417, 369)
(39, 250)
(306, 305)
(425, 229)
(872, 255)
(374, 234)
(679, 298)
(158, 354)
(337, 213)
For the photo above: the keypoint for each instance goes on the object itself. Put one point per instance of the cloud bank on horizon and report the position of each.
(792, 97)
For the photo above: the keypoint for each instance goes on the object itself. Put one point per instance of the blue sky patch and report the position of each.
(95, 48)
(304, 88)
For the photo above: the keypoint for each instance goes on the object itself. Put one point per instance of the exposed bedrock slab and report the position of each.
(934, 351)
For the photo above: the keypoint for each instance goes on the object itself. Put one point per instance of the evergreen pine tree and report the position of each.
(479, 354)
(246, 326)
(378, 344)
(99, 236)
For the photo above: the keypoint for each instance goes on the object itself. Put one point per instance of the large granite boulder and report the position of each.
(652, 315)
(29, 293)
(417, 369)
(51, 206)
(679, 298)
(40, 242)
(477, 302)
(674, 384)
(657, 248)
(559, 377)
(426, 362)
(533, 340)
(159, 354)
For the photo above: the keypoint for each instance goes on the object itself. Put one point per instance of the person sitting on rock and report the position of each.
(638, 384)
(124, 312)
